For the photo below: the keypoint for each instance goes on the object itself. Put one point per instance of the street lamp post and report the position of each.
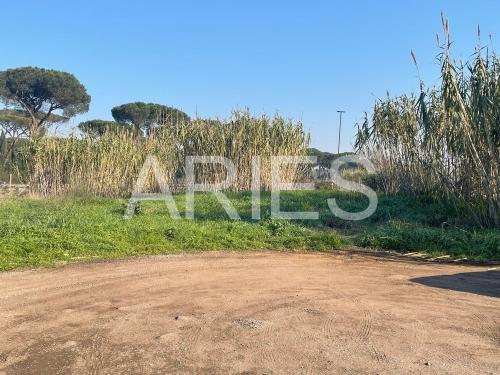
(340, 128)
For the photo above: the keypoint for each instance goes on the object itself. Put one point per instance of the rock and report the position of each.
(184, 318)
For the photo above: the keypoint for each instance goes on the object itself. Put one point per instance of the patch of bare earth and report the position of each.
(251, 313)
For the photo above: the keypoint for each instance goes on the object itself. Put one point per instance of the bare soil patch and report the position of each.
(251, 313)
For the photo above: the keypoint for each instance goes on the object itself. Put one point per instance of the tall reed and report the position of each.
(445, 141)
(110, 164)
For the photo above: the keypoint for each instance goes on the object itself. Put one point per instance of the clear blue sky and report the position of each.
(303, 59)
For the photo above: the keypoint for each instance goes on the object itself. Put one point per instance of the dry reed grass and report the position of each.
(445, 141)
(109, 165)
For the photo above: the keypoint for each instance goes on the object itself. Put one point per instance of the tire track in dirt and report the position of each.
(377, 354)
(419, 334)
(365, 328)
(490, 327)
(364, 335)
(190, 330)
(366, 323)
(329, 327)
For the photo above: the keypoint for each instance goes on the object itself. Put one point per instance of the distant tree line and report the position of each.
(36, 99)
(139, 118)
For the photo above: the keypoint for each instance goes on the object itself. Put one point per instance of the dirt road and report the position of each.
(251, 313)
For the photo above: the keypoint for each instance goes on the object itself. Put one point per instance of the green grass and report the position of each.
(36, 232)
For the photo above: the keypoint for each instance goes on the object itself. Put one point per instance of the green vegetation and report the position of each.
(437, 155)
(147, 116)
(445, 141)
(97, 128)
(325, 159)
(38, 90)
(43, 232)
(14, 130)
(109, 165)
(32, 97)
(38, 232)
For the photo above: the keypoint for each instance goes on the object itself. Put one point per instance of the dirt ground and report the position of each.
(251, 313)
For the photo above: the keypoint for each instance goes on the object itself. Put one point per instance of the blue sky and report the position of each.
(302, 59)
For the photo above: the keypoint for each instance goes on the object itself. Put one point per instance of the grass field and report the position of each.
(41, 232)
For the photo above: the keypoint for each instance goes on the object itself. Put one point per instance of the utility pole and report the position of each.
(340, 128)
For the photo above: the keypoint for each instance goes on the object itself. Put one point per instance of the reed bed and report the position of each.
(445, 141)
(109, 165)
